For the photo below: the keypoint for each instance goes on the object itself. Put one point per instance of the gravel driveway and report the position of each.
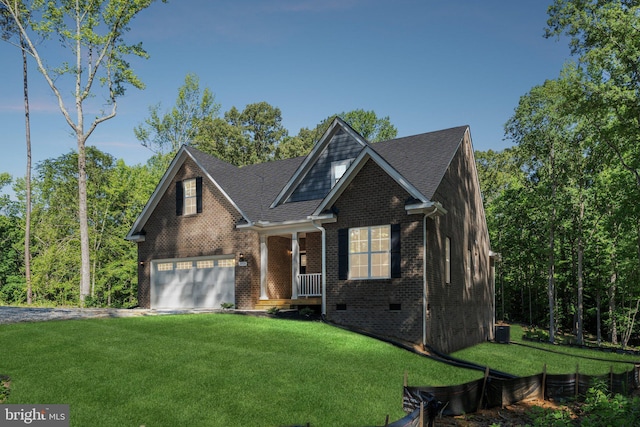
(9, 314)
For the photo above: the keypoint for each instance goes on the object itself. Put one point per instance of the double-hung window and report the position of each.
(189, 205)
(189, 196)
(370, 252)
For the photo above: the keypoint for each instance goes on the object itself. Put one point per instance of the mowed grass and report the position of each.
(525, 360)
(212, 370)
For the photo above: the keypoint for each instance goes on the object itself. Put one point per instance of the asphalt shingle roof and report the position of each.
(420, 159)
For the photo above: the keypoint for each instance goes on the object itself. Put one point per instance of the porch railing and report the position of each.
(310, 285)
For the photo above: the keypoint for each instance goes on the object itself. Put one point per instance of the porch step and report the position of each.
(287, 303)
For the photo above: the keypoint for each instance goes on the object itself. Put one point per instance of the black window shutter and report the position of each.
(343, 253)
(199, 194)
(396, 265)
(179, 197)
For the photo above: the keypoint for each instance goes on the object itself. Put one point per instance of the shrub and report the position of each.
(536, 335)
(273, 310)
(602, 409)
(306, 311)
(545, 417)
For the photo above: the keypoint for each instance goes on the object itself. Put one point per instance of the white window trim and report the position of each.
(447, 260)
(369, 252)
(189, 202)
(469, 272)
(334, 169)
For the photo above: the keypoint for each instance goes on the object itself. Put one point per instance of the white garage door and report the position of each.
(192, 282)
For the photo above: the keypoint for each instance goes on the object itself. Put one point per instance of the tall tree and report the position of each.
(164, 134)
(9, 28)
(243, 137)
(543, 131)
(93, 34)
(603, 34)
(117, 193)
(369, 125)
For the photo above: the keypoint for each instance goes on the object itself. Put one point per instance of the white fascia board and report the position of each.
(311, 158)
(353, 170)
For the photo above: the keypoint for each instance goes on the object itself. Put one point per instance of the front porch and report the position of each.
(285, 304)
(291, 270)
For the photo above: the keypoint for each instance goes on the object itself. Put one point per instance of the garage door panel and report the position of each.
(214, 286)
(185, 284)
(173, 289)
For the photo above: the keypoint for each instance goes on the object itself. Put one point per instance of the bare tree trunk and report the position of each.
(579, 335)
(85, 278)
(552, 225)
(27, 220)
(612, 308)
(598, 319)
(629, 324)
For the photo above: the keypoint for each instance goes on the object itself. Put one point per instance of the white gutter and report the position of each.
(286, 226)
(427, 208)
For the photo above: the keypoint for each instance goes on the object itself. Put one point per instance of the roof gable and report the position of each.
(423, 159)
(202, 161)
(368, 153)
(312, 180)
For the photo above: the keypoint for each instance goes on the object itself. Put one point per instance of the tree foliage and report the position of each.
(94, 58)
(179, 126)
(574, 181)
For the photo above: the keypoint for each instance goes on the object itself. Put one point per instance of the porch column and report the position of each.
(295, 264)
(264, 260)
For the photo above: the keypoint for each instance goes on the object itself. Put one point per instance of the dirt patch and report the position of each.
(518, 414)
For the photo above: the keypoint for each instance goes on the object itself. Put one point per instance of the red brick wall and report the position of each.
(211, 232)
(374, 198)
(279, 268)
(459, 314)
(314, 252)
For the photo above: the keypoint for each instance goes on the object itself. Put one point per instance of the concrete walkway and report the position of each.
(11, 314)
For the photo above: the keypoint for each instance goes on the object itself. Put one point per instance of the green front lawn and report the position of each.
(212, 370)
(525, 361)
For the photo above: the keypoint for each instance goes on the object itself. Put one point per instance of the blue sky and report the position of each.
(426, 64)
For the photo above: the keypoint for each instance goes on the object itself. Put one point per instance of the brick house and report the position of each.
(390, 238)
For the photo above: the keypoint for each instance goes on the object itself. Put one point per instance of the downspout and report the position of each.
(435, 209)
(424, 281)
(324, 267)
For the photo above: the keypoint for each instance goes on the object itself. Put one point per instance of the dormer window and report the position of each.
(338, 169)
